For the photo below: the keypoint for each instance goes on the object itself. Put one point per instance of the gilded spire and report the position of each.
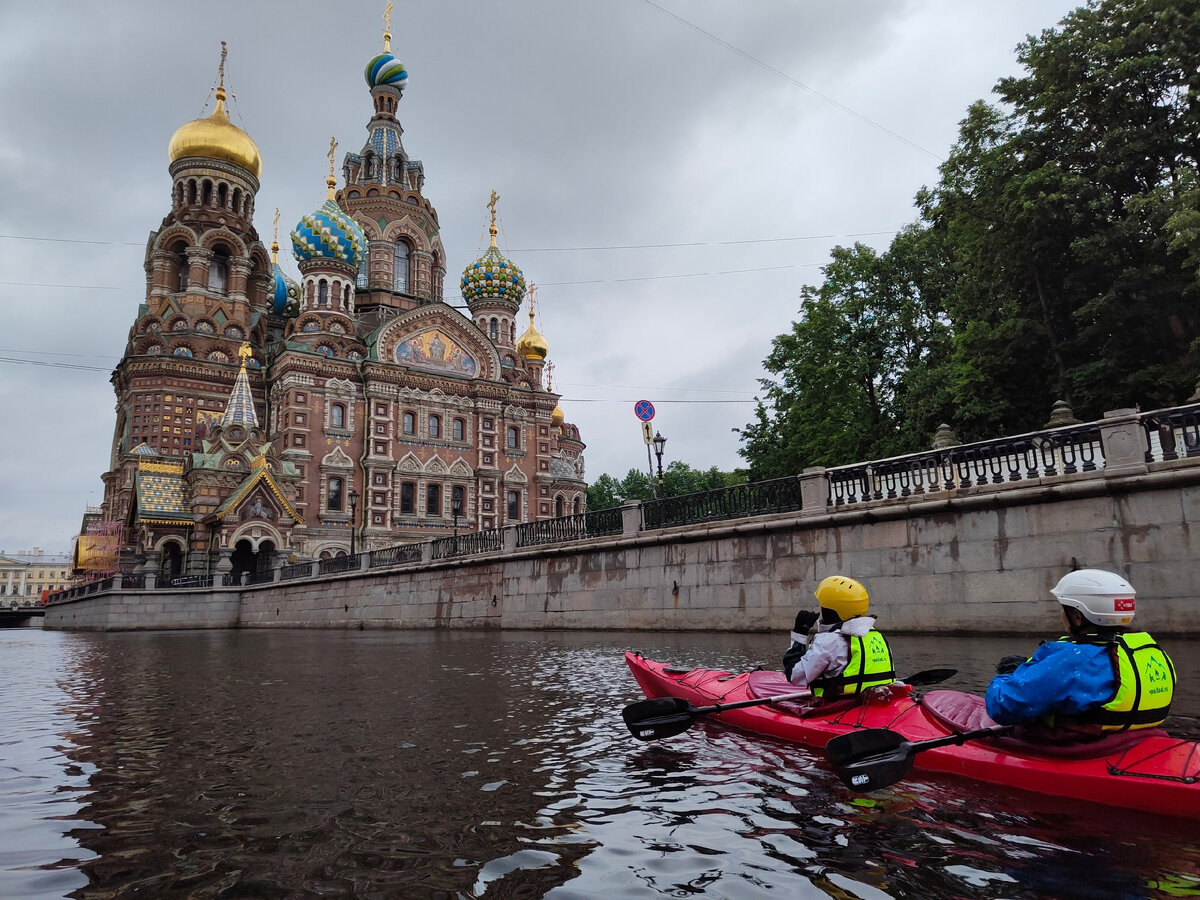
(275, 239)
(331, 181)
(491, 205)
(387, 27)
(221, 74)
(240, 408)
(531, 344)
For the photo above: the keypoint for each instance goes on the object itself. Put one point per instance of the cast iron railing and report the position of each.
(394, 556)
(295, 570)
(575, 527)
(1172, 433)
(133, 582)
(1064, 451)
(259, 577)
(186, 581)
(468, 543)
(340, 564)
(756, 498)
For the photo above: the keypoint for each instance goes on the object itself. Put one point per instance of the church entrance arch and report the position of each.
(171, 558)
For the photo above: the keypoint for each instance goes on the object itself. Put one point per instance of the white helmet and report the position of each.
(1103, 598)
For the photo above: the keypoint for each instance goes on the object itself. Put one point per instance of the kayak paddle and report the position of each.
(664, 717)
(874, 758)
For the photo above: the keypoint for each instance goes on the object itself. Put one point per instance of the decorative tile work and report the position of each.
(328, 233)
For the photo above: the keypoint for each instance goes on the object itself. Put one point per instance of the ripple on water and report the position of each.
(297, 764)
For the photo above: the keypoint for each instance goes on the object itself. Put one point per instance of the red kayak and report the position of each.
(1146, 770)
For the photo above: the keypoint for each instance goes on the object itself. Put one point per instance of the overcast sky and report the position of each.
(670, 173)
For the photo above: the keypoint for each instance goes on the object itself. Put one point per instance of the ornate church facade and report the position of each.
(261, 420)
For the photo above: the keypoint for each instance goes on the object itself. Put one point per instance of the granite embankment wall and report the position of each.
(979, 559)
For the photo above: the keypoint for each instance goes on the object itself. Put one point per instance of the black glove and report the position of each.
(793, 656)
(1008, 664)
(805, 619)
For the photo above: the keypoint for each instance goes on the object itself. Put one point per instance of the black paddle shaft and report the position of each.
(664, 717)
(875, 758)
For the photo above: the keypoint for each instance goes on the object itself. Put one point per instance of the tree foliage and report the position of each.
(1056, 258)
(678, 478)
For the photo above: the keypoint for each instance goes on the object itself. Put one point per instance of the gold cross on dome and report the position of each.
(332, 149)
(387, 26)
(221, 67)
(492, 205)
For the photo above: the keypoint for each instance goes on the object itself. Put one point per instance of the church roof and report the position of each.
(261, 474)
(240, 409)
(162, 495)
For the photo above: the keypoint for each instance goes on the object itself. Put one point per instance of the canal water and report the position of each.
(275, 764)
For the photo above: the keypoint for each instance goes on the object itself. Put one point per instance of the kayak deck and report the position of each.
(1155, 773)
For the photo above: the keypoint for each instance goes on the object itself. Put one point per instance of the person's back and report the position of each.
(1098, 678)
(846, 655)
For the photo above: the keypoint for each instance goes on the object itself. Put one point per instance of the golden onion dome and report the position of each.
(558, 416)
(215, 137)
(531, 344)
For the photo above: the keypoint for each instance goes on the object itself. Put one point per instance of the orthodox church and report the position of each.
(261, 420)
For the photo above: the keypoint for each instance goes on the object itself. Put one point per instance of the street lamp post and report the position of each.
(659, 443)
(353, 517)
(457, 511)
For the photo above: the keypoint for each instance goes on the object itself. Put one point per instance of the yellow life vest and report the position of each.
(870, 665)
(1145, 683)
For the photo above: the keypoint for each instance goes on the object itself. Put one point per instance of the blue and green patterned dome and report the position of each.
(386, 69)
(328, 233)
(492, 277)
(283, 289)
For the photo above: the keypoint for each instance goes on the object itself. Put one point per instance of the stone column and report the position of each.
(631, 517)
(814, 491)
(239, 277)
(1124, 442)
(198, 260)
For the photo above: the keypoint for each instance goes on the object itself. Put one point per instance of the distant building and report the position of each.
(26, 574)
(261, 420)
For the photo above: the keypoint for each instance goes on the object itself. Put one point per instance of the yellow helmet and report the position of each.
(845, 596)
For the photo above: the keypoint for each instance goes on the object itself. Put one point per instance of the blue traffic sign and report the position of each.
(644, 410)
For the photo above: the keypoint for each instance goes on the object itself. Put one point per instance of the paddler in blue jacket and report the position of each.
(1099, 678)
(846, 655)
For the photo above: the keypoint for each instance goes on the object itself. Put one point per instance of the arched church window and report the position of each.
(433, 500)
(514, 506)
(458, 428)
(222, 195)
(410, 423)
(206, 197)
(558, 506)
(435, 426)
(337, 416)
(511, 332)
(494, 329)
(322, 293)
(178, 277)
(400, 267)
(334, 499)
(218, 271)
(346, 297)
(575, 506)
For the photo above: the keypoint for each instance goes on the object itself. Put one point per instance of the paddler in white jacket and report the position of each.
(846, 655)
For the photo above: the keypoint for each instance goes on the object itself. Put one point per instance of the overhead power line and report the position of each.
(790, 80)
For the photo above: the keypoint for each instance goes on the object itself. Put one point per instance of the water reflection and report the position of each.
(304, 764)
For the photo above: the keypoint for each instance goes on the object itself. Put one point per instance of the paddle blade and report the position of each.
(930, 676)
(662, 717)
(870, 759)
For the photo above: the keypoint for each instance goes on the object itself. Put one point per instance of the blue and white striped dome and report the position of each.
(386, 69)
(283, 289)
(328, 233)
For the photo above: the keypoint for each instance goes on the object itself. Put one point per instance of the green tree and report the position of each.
(852, 375)
(678, 478)
(1057, 258)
